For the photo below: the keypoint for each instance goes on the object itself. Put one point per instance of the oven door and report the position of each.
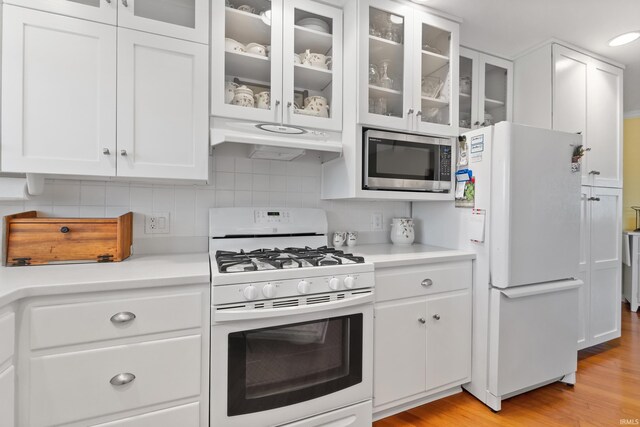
(272, 371)
(396, 161)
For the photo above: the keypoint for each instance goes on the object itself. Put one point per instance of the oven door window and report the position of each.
(402, 159)
(283, 365)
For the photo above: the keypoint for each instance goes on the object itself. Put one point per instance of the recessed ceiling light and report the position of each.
(624, 38)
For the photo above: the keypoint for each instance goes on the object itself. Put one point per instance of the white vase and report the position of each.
(402, 231)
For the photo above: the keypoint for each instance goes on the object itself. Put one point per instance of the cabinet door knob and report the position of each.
(106, 151)
(108, 1)
(277, 102)
(587, 149)
(594, 199)
(410, 111)
(594, 173)
(123, 152)
(122, 379)
(476, 124)
(65, 230)
(427, 282)
(436, 316)
(289, 104)
(122, 317)
(422, 320)
(125, 3)
(419, 113)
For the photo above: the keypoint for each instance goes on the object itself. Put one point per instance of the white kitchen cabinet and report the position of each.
(162, 107)
(422, 334)
(600, 265)
(408, 63)
(566, 89)
(137, 358)
(630, 269)
(58, 94)
(105, 11)
(486, 89)
(257, 49)
(7, 397)
(68, 109)
(183, 19)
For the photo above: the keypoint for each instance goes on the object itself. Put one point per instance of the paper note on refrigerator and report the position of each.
(476, 225)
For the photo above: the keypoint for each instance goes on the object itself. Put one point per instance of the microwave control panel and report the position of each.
(445, 163)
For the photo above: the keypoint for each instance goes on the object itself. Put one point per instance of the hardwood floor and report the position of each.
(607, 393)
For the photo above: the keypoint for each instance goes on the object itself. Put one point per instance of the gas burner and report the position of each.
(280, 259)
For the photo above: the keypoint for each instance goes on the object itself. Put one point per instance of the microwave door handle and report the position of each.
(365, 168)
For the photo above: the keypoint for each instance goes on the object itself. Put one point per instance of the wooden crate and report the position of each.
(32, 240)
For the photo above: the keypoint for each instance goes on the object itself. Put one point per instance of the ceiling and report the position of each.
(508, 27)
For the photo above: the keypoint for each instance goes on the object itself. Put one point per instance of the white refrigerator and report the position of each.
(524, 227)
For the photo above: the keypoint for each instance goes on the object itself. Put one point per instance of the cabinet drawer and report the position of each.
(77, 386)
(7, 336)
(407, 282)
(67, 324)
(184, 416)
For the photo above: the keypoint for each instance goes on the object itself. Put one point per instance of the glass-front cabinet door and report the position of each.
(436, 71)
(467, 91)
(385, 65)
(246, 60)
(93, 10)
(495, 80)
(312, 65)
(182, 19)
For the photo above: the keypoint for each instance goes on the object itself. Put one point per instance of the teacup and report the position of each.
(243, 97)
(263, 100)
(257, 49)
(229, 91)
(232, 45)
(339, 237)
(319, 101)
(316, 60)
(247, 8)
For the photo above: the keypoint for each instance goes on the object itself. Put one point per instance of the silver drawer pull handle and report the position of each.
(427, 282)
(108, 1)
(123, 317)
(594, 199)
(594, 173)
(436, 316)
(106, 151)
(123, 152)
(422, 320)
(122, 379)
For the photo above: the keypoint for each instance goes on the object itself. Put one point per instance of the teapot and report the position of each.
(315, 59)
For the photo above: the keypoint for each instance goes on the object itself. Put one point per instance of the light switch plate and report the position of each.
(157, 223)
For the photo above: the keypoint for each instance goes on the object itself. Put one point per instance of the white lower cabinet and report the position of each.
(7, 397)
(422, 334)
(600, 266)
(146, 363)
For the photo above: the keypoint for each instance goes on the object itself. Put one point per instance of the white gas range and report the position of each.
(292, 321)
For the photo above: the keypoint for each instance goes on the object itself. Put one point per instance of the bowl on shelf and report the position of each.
(256, 48)
(431, 86)
(231, 45)
(314, 24)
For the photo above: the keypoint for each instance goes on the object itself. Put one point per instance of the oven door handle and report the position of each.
(267, 313)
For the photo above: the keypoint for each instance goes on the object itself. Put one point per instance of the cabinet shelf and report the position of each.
(383, 91)
(248, 66)
(493, 103)
(246, 27)
(465, 100)
(433, 102)
(316, 41)
(313, 78)
(380, 49)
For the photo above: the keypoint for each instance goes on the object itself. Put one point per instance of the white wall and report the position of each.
(235, 180)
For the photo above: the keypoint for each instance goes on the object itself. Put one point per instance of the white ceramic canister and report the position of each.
(352, 238)
(339, 237)
(402, 232)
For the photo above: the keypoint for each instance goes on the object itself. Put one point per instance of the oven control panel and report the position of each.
(298, 287)
(262, 216)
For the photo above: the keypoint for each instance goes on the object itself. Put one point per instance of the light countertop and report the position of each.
(388, 255)
(137, 271)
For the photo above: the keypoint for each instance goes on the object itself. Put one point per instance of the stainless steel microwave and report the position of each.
(405, 162)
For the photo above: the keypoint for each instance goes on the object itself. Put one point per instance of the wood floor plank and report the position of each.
(607, 393)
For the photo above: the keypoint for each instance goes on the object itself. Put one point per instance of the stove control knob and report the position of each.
(269, 291)
(250, 292)
(349, 282)
(304, 287)
(334, 283)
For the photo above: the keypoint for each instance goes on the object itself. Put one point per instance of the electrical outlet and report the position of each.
(156, 223)
(376, 221)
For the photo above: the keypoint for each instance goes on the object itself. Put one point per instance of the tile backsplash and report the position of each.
(235, 180)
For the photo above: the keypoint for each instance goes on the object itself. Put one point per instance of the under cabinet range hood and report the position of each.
(273, 135)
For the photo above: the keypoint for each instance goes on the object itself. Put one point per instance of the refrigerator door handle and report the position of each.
(544, 288)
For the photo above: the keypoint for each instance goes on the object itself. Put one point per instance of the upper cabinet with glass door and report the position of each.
(182, 19)
(410, 58)
(277, 62)
(486, 89)
(436, 40)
